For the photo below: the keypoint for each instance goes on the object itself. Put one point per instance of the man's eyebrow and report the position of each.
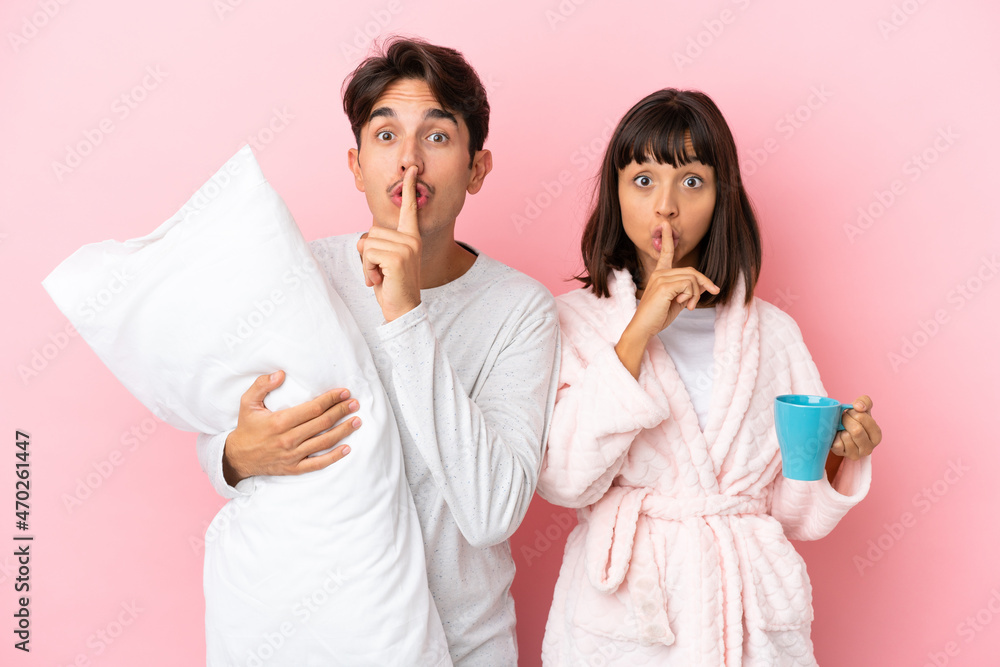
(440, 114)
(434, 113)
(382, 112)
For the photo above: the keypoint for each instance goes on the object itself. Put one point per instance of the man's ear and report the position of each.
(482, 164)
(355, 166)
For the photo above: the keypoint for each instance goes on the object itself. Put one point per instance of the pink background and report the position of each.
(910, 577)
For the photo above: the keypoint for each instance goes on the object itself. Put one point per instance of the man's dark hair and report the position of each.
(658, 128)
(453, 82)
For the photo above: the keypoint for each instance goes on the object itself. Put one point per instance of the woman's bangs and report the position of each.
(662, 137)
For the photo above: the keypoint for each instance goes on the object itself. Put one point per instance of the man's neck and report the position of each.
(443, 262)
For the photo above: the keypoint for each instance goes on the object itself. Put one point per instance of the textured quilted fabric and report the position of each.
(681, 556)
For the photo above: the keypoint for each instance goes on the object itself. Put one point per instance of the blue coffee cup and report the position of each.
(806, 426)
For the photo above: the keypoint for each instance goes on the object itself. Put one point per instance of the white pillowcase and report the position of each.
(328, 565)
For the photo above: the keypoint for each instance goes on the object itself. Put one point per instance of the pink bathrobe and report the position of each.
(681, 556)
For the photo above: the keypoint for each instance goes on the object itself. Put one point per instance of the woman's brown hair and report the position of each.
(657, 128)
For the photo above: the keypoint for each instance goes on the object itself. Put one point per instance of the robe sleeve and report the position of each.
(600, 408)
(810, 510)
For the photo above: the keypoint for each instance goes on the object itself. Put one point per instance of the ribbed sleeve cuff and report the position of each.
(210, 450)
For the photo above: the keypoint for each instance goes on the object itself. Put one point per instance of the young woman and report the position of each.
(663, 433)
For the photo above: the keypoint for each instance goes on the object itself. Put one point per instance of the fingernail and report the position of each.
(356, 423)
(352, 406)
(344, 395)
(273, 376)
(346, 450)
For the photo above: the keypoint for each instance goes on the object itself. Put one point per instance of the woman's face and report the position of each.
(665, 204)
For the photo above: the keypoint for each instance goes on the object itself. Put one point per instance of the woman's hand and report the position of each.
(859, 438)
(666, 291)
(860, 435)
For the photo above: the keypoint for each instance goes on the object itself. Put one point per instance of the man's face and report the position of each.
(409, 126)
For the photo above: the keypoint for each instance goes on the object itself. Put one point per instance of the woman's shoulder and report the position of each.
(582, 303)
(575, 297)
(585, 318)
(776, 325)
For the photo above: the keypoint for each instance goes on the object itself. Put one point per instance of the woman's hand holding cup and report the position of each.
(860, 435)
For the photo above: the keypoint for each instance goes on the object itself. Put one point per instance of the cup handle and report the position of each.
(843, 406)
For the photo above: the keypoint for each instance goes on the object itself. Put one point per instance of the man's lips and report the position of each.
(424, 193)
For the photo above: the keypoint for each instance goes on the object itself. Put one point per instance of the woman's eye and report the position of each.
(438, 137)
(692, 181)
(643, 181)
(384, 135)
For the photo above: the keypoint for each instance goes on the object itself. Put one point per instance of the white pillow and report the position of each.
(187, 317)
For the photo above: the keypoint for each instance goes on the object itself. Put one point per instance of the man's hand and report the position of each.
(280, 443)
(391, 258)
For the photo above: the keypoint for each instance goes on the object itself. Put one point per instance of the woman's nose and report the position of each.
(666, 203)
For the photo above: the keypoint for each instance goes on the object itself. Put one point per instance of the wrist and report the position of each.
(634, 339)
(395, 312)
(630, 349)
(229, 471)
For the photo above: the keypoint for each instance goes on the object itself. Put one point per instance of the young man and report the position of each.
(465, 346)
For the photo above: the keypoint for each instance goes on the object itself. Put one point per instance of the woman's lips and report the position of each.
(658, 239)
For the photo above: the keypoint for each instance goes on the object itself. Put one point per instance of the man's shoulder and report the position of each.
(503, 284)
(335, 244)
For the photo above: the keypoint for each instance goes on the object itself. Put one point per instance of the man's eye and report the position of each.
(438, 137)
(384, 135)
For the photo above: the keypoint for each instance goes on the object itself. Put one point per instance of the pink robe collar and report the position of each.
(736, 357)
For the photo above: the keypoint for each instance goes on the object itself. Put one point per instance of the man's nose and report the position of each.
(410, 154)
